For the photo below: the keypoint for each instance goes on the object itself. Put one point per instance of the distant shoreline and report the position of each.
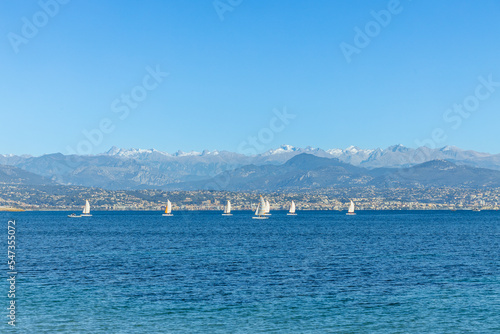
(244, 210)
(11, 210)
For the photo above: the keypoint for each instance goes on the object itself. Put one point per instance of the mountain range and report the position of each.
(308, 172)
(286, 167)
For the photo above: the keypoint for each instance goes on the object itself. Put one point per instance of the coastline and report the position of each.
(12, 210)
(245, 210)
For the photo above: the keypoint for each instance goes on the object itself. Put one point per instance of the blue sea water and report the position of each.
(200, 272)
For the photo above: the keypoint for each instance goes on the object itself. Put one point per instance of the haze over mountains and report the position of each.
(275, 169)
(308, 172)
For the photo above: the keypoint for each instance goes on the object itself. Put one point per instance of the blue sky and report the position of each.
(228, 77)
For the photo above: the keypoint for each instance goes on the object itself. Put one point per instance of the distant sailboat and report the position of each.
(260, 213)
(351, 212)
(227, 209)
(268, 208)
(292, 210)
(85, 213)
(168, 209)
(86, 210)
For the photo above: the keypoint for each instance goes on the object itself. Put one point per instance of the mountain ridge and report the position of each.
(308, 172)
(392, 156)
(149, 168)
(367, 157)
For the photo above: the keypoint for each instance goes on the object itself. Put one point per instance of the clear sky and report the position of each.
(348, 79)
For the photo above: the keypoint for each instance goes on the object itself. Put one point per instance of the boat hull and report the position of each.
(167, 215)
(260, 217)
(74, 216)
(227, 214)
(350, 214)
(86, 215)
(291, 214)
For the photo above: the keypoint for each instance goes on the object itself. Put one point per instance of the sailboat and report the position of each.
(168, 209)
(86, 210)
(268, 208)
(260, 213)
(292, 210)
(227, 209)
(351, 212)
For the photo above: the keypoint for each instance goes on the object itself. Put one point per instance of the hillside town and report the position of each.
(366, 198)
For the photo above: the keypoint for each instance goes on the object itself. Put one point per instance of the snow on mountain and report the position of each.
(284, 153)
(133, 152)
(10, 155)
(349, 150)
(129, 168)
(282, 149)
(392, 156)
(138, 153)
(401, 156)
(352, 149)
(12, 159)
(449, 148)
(207, 152)
(336, 152)
(352, 154)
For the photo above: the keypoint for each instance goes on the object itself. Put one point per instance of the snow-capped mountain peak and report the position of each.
(392, 156)
(133, 152)
(335, 151)
(450, 148)
(282, 149)
(207, 152)
(352, 149)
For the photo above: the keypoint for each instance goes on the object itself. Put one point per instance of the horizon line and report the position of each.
(180, 153)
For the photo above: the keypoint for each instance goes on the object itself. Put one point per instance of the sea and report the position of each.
(201, 272)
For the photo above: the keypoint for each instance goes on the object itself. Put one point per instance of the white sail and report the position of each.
(168, 209)
(227, 209)
(86, 209)
(268, 207)
(261, 208)
(292, 208)
(351, 207)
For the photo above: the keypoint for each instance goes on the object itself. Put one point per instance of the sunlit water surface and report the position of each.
(200, 272)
